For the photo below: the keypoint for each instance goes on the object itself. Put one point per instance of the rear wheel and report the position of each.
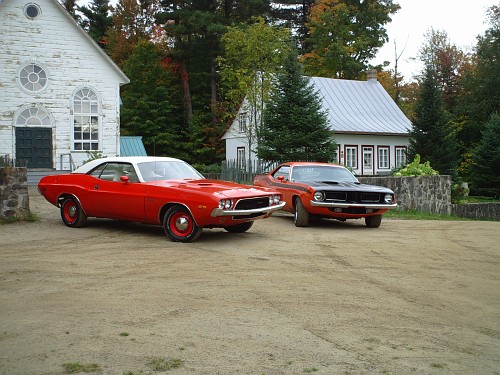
(301, 216)
(72, 214)
(239, 228)
(180, 226)
(373, 221)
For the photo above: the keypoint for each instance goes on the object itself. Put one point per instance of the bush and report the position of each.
(415, 168)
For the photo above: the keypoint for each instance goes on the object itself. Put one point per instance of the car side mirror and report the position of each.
(281, 178)
(124, 178)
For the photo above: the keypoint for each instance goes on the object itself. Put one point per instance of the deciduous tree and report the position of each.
(345, 35)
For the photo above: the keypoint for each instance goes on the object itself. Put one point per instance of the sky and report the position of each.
(462, 20)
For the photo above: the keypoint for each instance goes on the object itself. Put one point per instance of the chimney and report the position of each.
(371, 75)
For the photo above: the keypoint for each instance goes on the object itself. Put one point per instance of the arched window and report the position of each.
(33, 116)
(86, 120)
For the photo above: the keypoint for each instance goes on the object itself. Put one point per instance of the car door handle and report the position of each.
(96, 187)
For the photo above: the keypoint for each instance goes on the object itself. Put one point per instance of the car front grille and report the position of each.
(252, 203)
(353, 197)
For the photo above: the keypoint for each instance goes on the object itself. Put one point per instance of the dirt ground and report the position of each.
(411, 297)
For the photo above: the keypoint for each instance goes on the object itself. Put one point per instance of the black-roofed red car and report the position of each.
(327, 191)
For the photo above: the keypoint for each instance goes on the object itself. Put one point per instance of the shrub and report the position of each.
(415, 168)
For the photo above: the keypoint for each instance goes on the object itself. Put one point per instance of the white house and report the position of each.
(59, 91)
(371, 132)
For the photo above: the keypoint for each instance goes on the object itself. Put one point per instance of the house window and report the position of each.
(32, 11)
(33, 78)
(368, 160)
(383, 157)
(86, 120)
(243, 122)
(240, 157)
(351, 157)
(400, 157)
(33, 117)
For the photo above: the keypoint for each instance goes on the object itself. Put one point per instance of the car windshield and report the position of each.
(168, 170)
(322, 174)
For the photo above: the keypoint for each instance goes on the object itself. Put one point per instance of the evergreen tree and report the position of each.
(152, 103)
(486, 169)
(295, 127)
(96, 19)
(431, 136)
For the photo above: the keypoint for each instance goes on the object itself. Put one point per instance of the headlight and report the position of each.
(274, 199)
(225, 204)
(319, 196)
(388, 199)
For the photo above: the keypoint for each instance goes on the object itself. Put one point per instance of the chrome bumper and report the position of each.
(375, 206)
(216, 212)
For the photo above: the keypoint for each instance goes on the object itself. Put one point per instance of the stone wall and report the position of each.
(481, 211)
(14, 198)
(432, 194)
(424, 193)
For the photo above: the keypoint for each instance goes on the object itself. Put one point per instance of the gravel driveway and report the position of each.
(411, 297)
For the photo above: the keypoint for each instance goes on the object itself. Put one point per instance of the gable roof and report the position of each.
(68, 16)
(360, 107)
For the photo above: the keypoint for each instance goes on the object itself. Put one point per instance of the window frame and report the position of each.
(384, 161)
(400, 150)
(242, 122)
(92, 119)
(347, 157)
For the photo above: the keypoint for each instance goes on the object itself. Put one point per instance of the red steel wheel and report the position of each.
(72, 214)
(179, 225)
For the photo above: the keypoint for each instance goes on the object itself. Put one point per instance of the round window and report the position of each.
(33, 78)
(32, 11)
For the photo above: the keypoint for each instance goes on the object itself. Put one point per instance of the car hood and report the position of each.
(347, 186)
(225, 189)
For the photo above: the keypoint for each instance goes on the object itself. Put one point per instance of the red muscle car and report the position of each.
(327, 191)
(157, 190)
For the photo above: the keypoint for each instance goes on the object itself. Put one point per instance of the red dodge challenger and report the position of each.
(327, 191)
(157, 190)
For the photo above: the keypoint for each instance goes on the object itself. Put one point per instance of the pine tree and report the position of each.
(431, 136)
(486, 170)
(295, 127)
(96, 20)
(152, 105)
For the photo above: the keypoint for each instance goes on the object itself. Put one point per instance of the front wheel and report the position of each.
(373, 221)
(72, 214)
(301, 216)
(239, 228)
(180, 226)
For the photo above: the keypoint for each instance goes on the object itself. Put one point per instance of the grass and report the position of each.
(162, 364)
(479, 199)
(9, 220)
(76, 367)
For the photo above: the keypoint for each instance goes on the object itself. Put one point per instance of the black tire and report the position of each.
(239, 228)
(180, 226)
(301, 216)
(373, 221)
(72, 213)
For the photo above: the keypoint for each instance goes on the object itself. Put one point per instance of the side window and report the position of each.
(113, 172)
(283, 171)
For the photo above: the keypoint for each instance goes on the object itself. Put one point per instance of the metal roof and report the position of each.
(360, 107)
(132, 146)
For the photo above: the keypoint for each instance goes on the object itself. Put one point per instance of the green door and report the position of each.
(35, 146)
